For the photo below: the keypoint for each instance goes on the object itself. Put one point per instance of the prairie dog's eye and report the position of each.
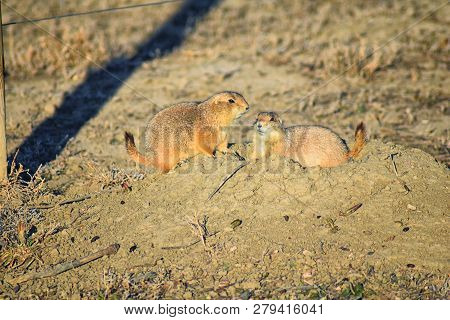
(231, 101)
(272, 119)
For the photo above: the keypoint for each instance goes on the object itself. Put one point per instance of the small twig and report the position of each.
(226, 179)
(75, 200)
(63, 267)
(241, 158)
(393, 162)
(199, 228)
(49, 206)
(190, 244)
(350, 210)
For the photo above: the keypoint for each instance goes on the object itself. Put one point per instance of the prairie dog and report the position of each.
(309, 145)
(186, 129)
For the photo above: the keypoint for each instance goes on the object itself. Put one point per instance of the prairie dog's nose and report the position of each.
(247, 108)
(259, 125)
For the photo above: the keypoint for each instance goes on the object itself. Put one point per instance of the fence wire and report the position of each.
(75, 14)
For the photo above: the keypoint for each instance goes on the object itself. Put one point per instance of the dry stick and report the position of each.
(3, 153)
(393, 163)
(190, 244)
(226, 179)
(63, 267)
(200, 228)
(49, 206)
(350, 210)
(64, 202)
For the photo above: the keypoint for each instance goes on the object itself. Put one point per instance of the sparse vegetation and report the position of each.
(294, 234)
(18, 195)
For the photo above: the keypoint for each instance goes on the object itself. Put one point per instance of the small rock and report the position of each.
(411, 207)
(236, 223)
(50, 108)
(394, 278)
(247, 294)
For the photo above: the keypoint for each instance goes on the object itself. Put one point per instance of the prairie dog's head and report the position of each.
(267, 123)
(231, 103)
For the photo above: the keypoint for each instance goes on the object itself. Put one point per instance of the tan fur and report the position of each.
(186, 129)
(308, 145)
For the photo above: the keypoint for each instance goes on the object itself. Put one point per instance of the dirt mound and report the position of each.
(272, 222)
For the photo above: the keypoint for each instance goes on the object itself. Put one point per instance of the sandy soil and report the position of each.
(275, 230)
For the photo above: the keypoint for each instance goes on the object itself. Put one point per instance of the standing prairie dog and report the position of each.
(309, 145)
(186, 129)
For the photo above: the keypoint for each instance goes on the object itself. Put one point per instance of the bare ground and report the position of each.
(275, 230)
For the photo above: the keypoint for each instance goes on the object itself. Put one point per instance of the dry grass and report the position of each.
(30, 51)
(46, 55)
(108, 178)
(356, 60)
(18, 196)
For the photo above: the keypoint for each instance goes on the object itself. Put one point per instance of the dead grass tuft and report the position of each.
(18, 196)
(356, 60)
(107, 178)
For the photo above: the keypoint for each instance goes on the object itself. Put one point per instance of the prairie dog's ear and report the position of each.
(280, 121)
(276, 118)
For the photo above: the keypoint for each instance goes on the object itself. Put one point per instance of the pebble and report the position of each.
(411, 207)
(246, 295)
(50, 108)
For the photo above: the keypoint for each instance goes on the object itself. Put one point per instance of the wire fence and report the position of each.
(98, 11)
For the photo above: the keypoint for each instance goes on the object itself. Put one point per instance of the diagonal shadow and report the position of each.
(49, 138)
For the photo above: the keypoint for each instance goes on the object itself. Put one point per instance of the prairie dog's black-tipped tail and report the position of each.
(360, 140)
(133, 151)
